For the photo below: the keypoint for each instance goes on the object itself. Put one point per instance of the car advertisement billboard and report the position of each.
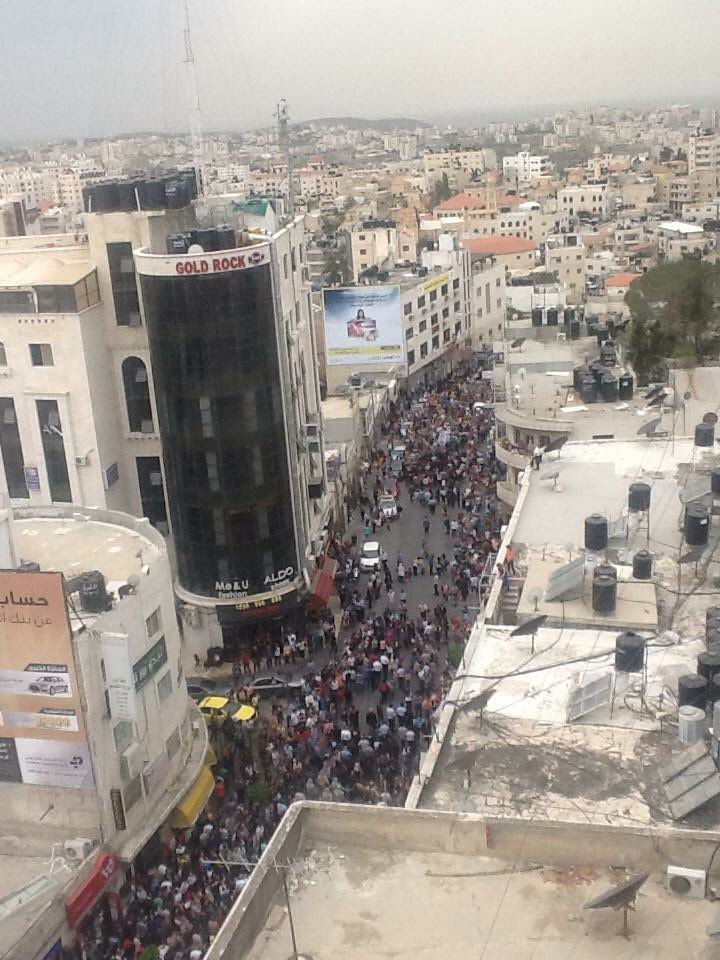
(42, 734)
(363, 325)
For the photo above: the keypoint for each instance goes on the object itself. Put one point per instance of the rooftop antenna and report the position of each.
(196, 134)
(283, 122)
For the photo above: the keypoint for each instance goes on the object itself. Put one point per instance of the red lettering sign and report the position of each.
(220, 264)
(94, 884)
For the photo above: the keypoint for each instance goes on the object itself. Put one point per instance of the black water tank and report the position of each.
(697, 524)
(596, 532)
(630, 652)
(642, 565)
(93, 595)
(705, 435)
(609, 388)
(611, 327)
(605, 570)
(152, 195)
(106, 197)
(568, 316)
(639, 496)
(190, 180)
(578, 374)
(574, 329)
(177, 194)
(88, 195)
(588, 390)
(536, 316)
(712, 635)
(604, 594)
(592, 324)
(552, 317)
(692, 691)
(714, 691)
(177, 244)
(597, 368)
(226, 237)
(126, 194)
(207, 238)
(602, 336)
(712, 613)
(708, 665)
(625, 386)
(715, 483)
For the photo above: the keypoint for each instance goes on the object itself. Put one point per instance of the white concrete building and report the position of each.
(525, 167)
(591, 198)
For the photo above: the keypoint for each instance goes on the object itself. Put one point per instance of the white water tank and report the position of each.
(691, 724)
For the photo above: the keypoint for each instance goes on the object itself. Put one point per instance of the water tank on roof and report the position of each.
(625, 386)
(88, 194)
(596, 533)
(106, 197)
(177, 244)
(715, 483)
(225, 237)
(536, 316)
(574, 329)
(190, 180)
(712, 613)
(714, 697)
(705, 435)
(552, 317)
(568, 315)
(692, 690)
(609, 388)
(578, 374)
(708, 665)
(592, 324)
(639, 494)
(691, 724)
(126, 199)
(588, 389)
(602, 336)
(93, 595)
(642, 565)
(712, 635)
(604, 594)
(605, 570)
(207, 238)
(630, 652)
(697, 524)
(177, 194)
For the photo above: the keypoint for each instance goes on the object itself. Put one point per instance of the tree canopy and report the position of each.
(675, 315)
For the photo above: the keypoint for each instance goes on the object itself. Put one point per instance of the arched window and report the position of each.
(137, 395)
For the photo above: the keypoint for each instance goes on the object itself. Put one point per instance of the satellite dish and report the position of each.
(195, 248)
(655, 401)
(530, 627)
(516, 344)
(622, 897)
(535, 595)
(555, 444)
(649, 428)
(687, 395)
(692, 556)
(710, 417)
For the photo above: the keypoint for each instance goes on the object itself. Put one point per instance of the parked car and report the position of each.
(272, 685)
(49, 684)
(370, 556)
(388, 505)
(201, 687)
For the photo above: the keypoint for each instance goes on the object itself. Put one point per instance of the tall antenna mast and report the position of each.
(283, 121)
(196, 133)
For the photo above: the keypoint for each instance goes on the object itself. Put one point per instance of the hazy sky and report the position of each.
(83, 67)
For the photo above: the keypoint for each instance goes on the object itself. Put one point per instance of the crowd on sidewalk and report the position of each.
(354, 730)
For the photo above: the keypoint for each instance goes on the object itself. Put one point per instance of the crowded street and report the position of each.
(413, 568)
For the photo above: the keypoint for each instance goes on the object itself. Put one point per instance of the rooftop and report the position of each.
(679, 226)
(622, 279)
(499, 245)
(368, 882)
(43, 267)
(463, 201)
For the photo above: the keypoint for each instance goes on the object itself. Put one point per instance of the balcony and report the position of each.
(512, 455)
(507, 493)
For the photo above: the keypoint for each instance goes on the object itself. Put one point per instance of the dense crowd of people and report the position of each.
(353, 730)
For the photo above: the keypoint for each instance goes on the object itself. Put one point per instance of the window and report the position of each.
(423, 350)
(54, 449)
(422, 326)
(16, 301)
(3, 355)
(446, 312)
(456, 283)
(172, 744)
(153, 623)
(409, 333)
(433, 296)
(497, 281)
(122, 734)
(41, 355)
(458, 328)
(56, 299)
(137, 395)
(132, 793)
(152, 494)
(444, 290)
(363, 252)
(436, 342)
(11, 449)
(488, 305)
(407, 309)
(285, 265)
(411, 357)
(421, 302)
(123, 285)
(446, 335)
(164, 686)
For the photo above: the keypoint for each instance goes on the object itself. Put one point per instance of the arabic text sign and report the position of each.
(149, 663)
(119, 675)
(363, 325)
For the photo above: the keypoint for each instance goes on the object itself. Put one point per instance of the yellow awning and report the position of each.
(190, 807)
(210, 758)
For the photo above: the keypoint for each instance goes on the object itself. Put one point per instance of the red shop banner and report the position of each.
(92, 887)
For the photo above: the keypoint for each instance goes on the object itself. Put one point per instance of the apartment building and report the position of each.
(381, 244)
(703, 153)
(526, 167)
(461, 166)
(565, 256)
(591, 199)
(515, 254)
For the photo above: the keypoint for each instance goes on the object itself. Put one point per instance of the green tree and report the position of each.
(336, 268)
(674, 310)
(441, 191)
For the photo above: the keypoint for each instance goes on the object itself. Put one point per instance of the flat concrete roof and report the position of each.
(369, 882)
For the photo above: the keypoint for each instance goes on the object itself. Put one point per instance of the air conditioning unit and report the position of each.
(132, 761)
(313, 446)
(685, 882)
(81, 462)
(79, 849)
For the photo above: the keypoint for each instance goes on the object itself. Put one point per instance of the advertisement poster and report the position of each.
(363, 325)
(42, 736)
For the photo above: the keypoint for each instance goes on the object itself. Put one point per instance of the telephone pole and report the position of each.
(283, 122)
(196, 133)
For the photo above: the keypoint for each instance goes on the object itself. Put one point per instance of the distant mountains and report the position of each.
(387, 124)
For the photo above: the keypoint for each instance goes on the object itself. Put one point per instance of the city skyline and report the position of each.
(79, 72)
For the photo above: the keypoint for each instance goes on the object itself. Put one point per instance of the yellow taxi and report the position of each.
(217, 710)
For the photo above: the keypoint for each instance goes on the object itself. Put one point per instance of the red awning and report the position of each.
(92, 886)
(322, 584)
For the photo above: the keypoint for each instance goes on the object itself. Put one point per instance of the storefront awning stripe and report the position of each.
(190, 807)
